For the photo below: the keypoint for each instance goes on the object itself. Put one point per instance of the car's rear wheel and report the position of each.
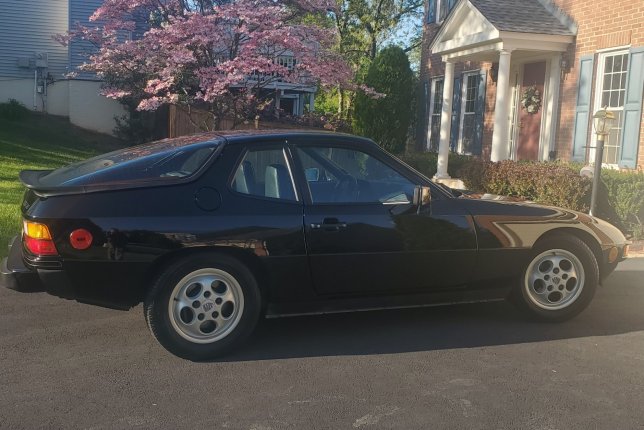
(560, 279)
(203, 306)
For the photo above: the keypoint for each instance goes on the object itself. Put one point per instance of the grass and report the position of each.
(38, 142)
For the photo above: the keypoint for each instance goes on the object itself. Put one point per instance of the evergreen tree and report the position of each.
(386, 120)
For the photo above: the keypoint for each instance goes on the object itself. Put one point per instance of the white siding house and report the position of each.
(33, 66)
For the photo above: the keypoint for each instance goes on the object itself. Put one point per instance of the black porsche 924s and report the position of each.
(212, 232)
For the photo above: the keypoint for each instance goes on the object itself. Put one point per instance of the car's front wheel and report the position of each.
(560, 279)
(203, 306)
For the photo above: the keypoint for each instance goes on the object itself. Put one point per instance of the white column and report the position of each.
(500, 142)
(549, 110)
(446, 123)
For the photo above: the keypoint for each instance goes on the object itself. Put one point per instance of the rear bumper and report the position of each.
(15, 275)
(109, 285)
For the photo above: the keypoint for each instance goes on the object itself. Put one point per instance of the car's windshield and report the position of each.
(173, 158)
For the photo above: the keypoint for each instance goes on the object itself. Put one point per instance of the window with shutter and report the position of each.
(471, 115)
(442, 8)
(431, 11)
(632, 109)
(610, 92)
(435, 114)
(582, 111)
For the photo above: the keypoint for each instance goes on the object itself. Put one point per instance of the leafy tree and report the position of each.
(214, 54)
(364, 26)
(387, 119)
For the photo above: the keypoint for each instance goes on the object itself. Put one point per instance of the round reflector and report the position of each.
(80, 239)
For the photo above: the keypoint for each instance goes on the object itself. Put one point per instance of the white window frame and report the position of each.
(432, 99)
(461, 115)
(597, 99)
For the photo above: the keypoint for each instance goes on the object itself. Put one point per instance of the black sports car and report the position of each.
(212, 232)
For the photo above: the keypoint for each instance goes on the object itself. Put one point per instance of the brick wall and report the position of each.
(619, 23)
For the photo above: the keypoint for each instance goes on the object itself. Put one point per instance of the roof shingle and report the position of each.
(521, 16)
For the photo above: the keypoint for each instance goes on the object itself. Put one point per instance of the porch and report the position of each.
(524, 40)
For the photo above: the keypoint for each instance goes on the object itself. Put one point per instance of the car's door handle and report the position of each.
(329, 224)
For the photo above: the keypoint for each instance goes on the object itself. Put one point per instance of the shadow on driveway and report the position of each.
(616, 309)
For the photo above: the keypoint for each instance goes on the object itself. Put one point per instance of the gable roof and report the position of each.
(524, 16)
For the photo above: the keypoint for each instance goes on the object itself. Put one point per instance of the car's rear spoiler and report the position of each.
(31, 180)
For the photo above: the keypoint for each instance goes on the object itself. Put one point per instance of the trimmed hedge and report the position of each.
(626, 195)
(621, 196)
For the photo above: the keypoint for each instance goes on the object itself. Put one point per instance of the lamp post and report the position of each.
(602, 122)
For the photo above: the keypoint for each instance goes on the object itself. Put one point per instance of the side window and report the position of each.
(264, 173)
(339, 175)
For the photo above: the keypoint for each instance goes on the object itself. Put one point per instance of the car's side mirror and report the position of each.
(422, 196)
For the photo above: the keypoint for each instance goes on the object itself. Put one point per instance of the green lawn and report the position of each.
(38, 142)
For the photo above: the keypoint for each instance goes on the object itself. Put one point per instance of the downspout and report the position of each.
(35, 89)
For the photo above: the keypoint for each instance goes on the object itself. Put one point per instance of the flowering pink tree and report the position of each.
(217, 55)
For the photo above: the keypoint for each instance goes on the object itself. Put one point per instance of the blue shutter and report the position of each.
(632, 109)
(480, 112)
(456, 113)
(582, 113)
(431, 11)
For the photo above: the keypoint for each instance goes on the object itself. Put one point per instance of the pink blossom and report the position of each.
(223, 55)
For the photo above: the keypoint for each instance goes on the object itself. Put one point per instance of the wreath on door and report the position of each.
(531, 99)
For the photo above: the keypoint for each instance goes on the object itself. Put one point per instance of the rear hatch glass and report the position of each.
(166, 159)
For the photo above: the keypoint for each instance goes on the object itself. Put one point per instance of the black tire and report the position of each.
(158, 315)
(521, 296)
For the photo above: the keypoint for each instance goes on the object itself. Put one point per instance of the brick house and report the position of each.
(481, 58)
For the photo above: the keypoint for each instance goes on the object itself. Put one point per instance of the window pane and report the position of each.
(608, 65)
(605, 98)
(264, 173)
(617, 63)
(614, 99)
(338, 175)
(166, 159)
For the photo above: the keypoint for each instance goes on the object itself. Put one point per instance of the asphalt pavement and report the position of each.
(69, 365)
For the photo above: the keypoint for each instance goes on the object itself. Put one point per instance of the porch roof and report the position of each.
(524, 16)
(479, 29)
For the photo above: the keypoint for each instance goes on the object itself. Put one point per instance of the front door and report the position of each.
(363, 233)
(529, 133)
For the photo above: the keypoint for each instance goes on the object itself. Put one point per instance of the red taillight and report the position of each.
(80, 239)
(40, 246)
(38, 239)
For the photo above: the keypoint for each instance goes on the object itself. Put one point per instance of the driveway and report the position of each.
(67, 365)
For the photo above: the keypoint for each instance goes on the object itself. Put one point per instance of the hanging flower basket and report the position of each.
(531, 100)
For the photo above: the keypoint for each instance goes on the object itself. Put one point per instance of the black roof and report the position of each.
(522, 16)
(235, 136)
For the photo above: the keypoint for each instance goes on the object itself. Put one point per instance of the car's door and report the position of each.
(362, 231)
(263, 213)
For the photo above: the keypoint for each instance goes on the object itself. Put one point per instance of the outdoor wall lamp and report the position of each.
(603, 121)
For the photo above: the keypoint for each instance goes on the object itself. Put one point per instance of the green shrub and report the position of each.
(620, 198)
(549, 183)
(626, 195)
(387, 119)
(13, 110)
(425, 162)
